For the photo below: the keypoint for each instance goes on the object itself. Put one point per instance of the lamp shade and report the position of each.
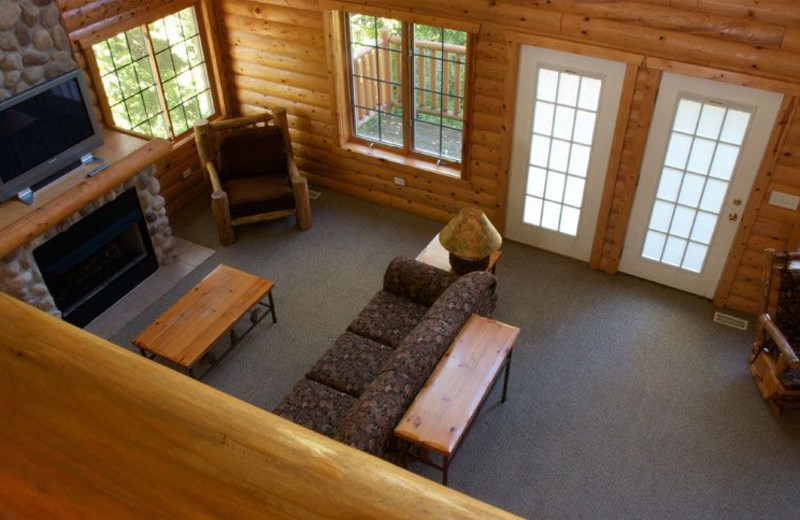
(470, 235)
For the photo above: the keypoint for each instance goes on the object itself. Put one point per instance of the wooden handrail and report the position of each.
(91, 430)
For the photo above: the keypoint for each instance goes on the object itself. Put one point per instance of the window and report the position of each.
(565, 117)
(407, 87)
(154, 76)
(701, 157)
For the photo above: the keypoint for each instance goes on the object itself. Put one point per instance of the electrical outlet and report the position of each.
(187, 173)
(400, 181)
(784, 200)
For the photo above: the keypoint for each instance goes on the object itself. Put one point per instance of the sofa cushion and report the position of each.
(387, 318)
(416, 281)
(370, 424)
(419, 353)
(472, 293)
(351, 363)
(315, 406)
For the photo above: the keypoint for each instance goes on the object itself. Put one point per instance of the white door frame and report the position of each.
(612, 74)
(766, 106)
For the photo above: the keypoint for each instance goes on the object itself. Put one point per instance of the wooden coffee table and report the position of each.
(436, 255)
(188, 329)
(444, 409)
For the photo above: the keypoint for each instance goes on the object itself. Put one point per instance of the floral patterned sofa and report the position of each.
(360, 388)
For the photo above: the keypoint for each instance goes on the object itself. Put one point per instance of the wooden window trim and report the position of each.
(209, 59)
(339, 64)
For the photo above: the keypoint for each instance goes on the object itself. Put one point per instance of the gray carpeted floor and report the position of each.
(625, 400)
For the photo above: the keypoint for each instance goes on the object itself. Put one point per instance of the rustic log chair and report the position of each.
(251, 168)
(774, 362)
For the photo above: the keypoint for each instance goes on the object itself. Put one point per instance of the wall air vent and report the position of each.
(730, 321)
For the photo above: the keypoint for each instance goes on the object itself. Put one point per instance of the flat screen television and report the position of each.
(44, 132)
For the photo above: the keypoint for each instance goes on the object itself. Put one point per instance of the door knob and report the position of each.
(733, 216)
(737, 202)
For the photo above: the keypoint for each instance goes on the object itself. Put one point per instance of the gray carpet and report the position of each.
(625, 400)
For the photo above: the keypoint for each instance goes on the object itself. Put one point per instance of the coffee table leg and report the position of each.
(505, 381)
(272, 308)
(445, 469)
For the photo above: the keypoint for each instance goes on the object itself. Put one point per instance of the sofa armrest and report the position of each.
(416, 281)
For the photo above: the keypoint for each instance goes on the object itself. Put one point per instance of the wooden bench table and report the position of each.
(188, 329)
(444, 409)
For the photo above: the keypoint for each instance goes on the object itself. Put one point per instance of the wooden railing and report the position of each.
(372, 95)
(92, 430)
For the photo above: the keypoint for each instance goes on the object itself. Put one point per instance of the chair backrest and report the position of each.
(780, 295)
(242, 152)
(250, 152)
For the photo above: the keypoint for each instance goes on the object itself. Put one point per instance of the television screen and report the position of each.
(41, 127)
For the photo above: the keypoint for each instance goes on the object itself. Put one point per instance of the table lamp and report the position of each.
(470, 238)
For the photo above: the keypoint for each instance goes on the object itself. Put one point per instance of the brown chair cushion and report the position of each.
(256, 195)
(252, 151)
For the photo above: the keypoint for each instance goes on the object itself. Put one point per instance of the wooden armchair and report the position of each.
(250, 165)
(774, 362)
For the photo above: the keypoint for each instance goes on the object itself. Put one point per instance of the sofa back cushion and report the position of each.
(421, 350)
(370, 424)
(416, 281)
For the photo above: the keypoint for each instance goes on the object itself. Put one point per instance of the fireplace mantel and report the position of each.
(127, 155)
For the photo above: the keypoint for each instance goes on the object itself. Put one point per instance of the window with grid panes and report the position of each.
(155, 78)
(408, 86)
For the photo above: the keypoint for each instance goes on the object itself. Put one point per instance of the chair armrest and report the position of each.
(294, 173)
(213, 176)
(780, 340)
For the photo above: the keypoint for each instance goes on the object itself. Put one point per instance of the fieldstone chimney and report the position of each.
(34, 46)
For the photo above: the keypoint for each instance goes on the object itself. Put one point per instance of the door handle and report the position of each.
(733, 216)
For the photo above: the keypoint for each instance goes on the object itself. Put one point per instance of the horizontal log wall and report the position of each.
(276, 56)
(82, 17)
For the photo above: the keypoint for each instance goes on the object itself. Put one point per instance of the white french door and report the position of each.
(564, 125)
(706, 142)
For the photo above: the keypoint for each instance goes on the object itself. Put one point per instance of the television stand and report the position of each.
(27, 195)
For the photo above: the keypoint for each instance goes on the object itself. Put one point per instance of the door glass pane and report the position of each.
(701, 157)
(560, 148)
(686, 117)
(536, 178)
(735, 126)
(710, 121)
(543, 120)
(678, 151)
(670, 184)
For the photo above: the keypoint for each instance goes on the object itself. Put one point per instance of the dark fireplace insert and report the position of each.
(98, 260)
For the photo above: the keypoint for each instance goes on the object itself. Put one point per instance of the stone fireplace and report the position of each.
(34, 47)
(21, 276)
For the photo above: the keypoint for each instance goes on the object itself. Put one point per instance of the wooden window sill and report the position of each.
(385, 156)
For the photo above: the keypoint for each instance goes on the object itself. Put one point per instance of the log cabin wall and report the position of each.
(83, 17)
(275, 53)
